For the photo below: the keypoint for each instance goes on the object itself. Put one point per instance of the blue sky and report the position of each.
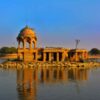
(57, 22)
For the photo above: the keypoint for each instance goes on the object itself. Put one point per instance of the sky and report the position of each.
(58, 23)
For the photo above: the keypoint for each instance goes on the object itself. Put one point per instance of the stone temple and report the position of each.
(28, 51)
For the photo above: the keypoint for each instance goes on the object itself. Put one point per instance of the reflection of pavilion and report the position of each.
(53, 76)
(27, 50)
(28, 79)
(77, 74)
(26, 86)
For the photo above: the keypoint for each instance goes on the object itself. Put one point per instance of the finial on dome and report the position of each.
(26, 26)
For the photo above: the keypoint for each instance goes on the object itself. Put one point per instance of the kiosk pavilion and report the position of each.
(28, 51)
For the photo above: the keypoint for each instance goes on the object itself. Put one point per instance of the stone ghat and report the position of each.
(11, 64)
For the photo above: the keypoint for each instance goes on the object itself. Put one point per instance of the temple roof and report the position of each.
(26, 32)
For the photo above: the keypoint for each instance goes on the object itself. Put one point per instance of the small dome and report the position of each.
(27, 32)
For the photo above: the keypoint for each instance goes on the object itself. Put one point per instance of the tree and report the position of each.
(8, 50)
(94, 51)
(12, 50)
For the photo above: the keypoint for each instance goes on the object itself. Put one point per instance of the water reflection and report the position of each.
(77, 75)
(51, 76)
(29, 79)
(26, 85)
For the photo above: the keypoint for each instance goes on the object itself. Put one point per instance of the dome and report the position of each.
(27, 32)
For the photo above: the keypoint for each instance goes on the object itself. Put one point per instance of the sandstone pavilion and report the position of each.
(28, 51)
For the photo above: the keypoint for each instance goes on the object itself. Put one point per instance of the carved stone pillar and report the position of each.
(44, 56)
(57, 56)
(50, 56)
(36, 56)
(76, 56)
(24, 44)
(63, 57)
(31, 44)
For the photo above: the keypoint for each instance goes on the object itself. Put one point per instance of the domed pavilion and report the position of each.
(27, 35)
(27, 41)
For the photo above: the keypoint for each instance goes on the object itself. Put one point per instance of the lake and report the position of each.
(50, 84)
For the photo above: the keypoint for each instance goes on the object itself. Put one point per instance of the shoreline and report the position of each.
(19, 64)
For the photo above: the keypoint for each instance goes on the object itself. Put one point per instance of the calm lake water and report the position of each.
(49, 84)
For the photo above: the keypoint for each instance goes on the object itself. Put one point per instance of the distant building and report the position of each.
(27, 50)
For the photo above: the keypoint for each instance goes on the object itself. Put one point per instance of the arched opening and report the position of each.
(21, 44)
(27, 45)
